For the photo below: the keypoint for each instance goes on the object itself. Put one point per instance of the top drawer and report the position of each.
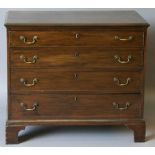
(81, 37)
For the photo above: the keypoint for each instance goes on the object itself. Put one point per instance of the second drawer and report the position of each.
(79, 57)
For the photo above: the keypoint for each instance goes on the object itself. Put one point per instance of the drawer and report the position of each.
(77, 57)
(25, 80)
(76, 37)
(75, 106)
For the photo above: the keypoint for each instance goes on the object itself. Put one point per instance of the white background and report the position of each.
(150, 84)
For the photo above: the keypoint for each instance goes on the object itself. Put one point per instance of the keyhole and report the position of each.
(76, 54)
(76, 76)
(75, 99)
(77, 35)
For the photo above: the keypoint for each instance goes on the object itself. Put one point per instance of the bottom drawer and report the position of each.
(47, 106)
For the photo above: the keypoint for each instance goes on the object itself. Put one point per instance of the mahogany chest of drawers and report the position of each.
(75, 68)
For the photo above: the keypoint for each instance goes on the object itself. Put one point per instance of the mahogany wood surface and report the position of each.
(78, 57)
(59, 80)
(85, 37)
(83, 68)
(76, 106)
(76, 18)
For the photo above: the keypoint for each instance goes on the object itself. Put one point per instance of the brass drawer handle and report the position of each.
(34, 106)
(26, 60)
(124, 39)
(122, 61)
(117, 106)
(34, 82)
(24, 39)
(122, 84)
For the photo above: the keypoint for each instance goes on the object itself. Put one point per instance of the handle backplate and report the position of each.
(121, 108)
(24, 39)
(26, 84)
(119, 60)
(33, 108)
(129, 38)
(28, 60)
(115, 79)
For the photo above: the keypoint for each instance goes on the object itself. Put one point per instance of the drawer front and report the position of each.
(51, 80)
(77, 57)
(75, 106)
(76, 37)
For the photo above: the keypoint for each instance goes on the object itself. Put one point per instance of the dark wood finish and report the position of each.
(75, 18)
(75, 67)
(78, 57)
(76, 106)
(85, 37)
(12, 134)
(52, 80)
(139, 130)
(138, 126)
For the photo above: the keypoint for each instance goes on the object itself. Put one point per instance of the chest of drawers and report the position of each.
(75, 68)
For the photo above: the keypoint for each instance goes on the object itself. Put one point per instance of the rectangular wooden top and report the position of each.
(74, 18)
